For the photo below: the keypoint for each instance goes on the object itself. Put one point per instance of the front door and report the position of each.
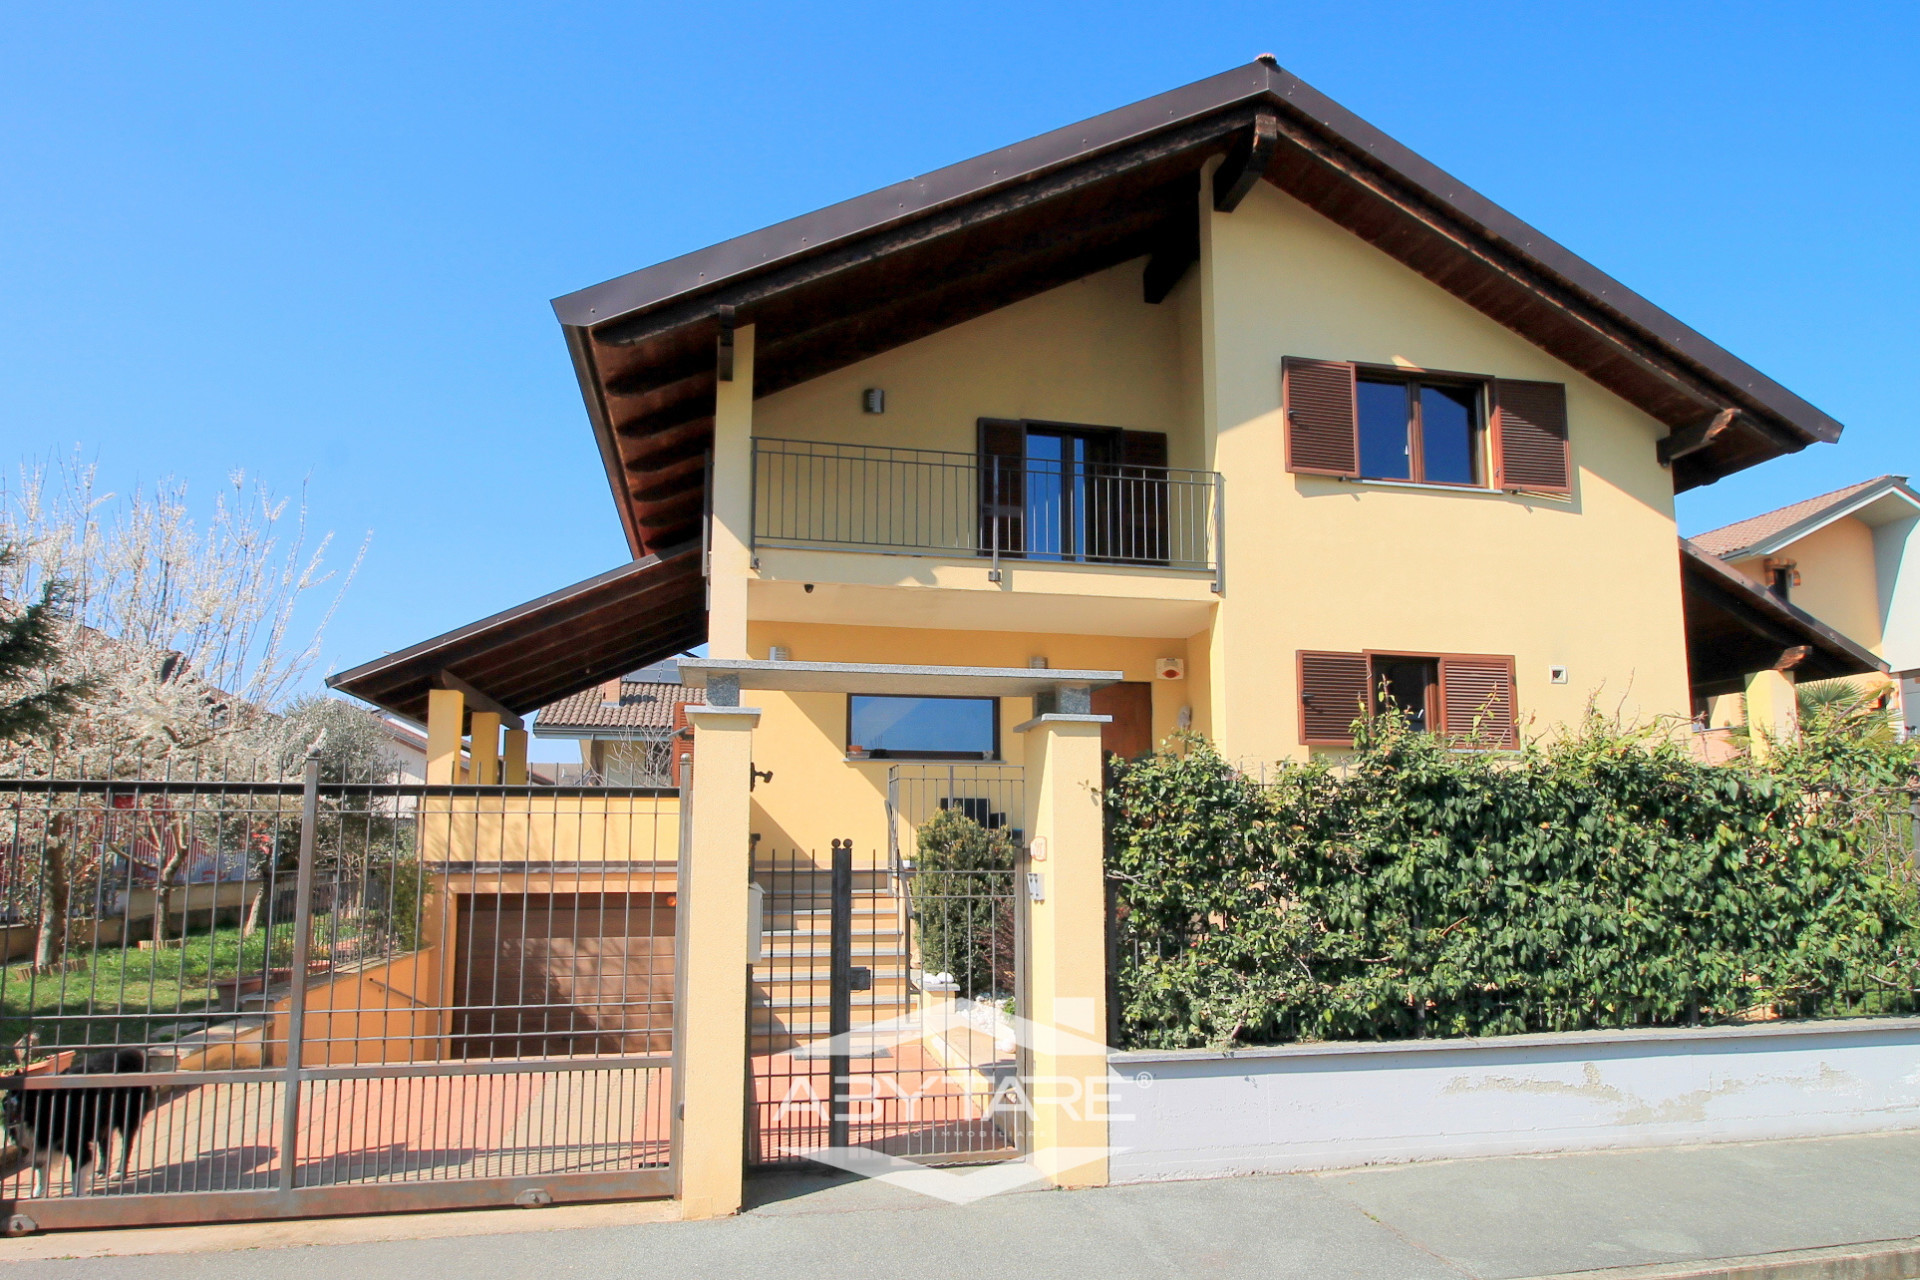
(1130, 734)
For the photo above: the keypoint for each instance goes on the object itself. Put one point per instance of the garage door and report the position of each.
(563, 974)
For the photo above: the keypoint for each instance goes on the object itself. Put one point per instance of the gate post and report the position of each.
(297, 1002)
(713, 927)
(1065, 900)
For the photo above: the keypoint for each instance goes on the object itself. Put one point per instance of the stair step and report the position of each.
(823, 972)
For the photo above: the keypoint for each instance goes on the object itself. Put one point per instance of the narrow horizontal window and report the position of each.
(926, 728)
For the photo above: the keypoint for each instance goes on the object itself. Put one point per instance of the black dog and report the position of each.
(79, 1123)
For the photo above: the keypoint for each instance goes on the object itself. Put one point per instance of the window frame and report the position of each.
(1437, 710)
(1437, 720)
(1436, 707)
(1481, 450)
(942, 757)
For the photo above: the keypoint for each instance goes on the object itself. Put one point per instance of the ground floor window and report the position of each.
(1469, 697)
(891, 727)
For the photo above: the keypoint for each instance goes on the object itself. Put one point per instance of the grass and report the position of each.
(131, 996)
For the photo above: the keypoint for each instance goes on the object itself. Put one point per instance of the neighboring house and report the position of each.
(1841, 557)
(406, 749)
(626, 728)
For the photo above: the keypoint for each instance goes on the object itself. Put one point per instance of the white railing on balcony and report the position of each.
(842, 497)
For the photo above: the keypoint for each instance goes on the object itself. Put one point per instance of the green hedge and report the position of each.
(1603, 880)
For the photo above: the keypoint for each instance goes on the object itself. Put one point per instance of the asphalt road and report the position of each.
(1492, 1219)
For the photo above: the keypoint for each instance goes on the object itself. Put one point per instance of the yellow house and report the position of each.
(1841, 557)
(1222, 411)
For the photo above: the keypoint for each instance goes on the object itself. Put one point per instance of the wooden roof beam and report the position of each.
(1701, 435)
(1246, 163)
(478, 701)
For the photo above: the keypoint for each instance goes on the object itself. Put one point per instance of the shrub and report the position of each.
(963, 902)
(1605, 879)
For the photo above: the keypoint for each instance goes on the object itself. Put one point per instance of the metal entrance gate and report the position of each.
(885, 994)
(249, 999)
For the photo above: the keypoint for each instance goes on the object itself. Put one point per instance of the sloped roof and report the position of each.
(869, 274)
(1735, 627)
(533, 654)
(643, 706)
(1767, 531)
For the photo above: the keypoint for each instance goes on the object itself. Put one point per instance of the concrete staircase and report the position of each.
(792, 980)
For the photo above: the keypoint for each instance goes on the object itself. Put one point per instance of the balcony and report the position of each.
(815, 496)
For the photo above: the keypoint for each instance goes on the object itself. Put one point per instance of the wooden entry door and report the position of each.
(563, 974)
(1131, 705)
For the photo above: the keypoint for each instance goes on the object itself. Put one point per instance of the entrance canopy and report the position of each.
(539, 652)
(887, 678)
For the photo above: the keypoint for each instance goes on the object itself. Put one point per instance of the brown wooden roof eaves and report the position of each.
(1735, 627)
(845, 282)
(537, 653)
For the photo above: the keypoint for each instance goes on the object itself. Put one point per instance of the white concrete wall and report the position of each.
(1899, 584)
(1198, 1114)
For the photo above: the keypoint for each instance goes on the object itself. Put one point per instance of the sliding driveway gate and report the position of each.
(321, 998)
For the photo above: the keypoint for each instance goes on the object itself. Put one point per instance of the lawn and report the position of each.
(132, 996)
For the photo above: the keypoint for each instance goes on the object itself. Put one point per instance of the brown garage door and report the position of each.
(563, 974)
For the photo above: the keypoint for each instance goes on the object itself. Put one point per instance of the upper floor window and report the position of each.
(1412, 429)
(924, 728)
(1377, 422)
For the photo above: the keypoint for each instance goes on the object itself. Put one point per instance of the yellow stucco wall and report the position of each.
(1590, 583)
(817, 795)
(1839, 582)
(1088, 352)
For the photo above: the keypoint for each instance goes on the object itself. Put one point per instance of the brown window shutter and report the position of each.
(1003, 488)
(1530, 437)
(1137, 526)
(1476, 700)
(1323, 430)
(1333, 694)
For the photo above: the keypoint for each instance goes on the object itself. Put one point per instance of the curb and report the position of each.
(1874, 1260)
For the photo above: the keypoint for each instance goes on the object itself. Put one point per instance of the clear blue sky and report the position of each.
(318, 242)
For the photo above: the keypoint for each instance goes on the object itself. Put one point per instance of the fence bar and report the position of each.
(840, 996)
(1219, 535)
(297, 1005)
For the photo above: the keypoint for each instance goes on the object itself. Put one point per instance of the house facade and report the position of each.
(1841, 557)
(1221, 412)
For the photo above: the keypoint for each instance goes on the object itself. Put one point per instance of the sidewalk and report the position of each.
(1672, 1211)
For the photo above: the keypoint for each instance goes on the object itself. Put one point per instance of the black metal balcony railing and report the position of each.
(930, 502)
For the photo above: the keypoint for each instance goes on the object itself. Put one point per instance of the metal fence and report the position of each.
(861, 1032)
(873, 498)
(273, 997)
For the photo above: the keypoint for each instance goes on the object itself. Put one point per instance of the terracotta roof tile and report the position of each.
(643, 705)
(1730, 539)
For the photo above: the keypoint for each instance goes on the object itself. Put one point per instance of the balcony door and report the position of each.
(1057, 491)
